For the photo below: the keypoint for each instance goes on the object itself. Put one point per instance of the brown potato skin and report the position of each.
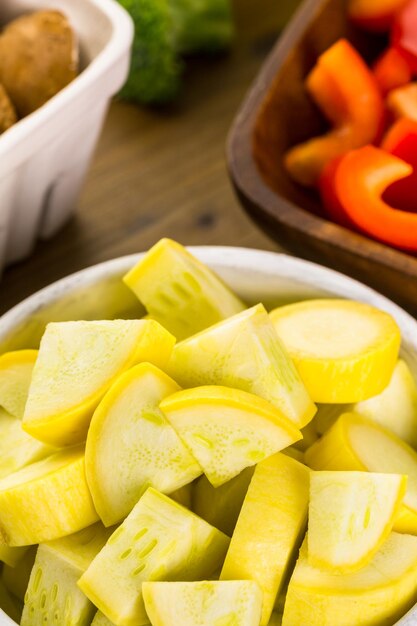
(38, 58)
(8, 115)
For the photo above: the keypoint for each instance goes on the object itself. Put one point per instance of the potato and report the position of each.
(38, 58)
(8, 115)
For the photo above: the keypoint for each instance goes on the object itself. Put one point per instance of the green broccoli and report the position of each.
(165, 30)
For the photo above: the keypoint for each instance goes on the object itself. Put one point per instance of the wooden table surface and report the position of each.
(160, 173)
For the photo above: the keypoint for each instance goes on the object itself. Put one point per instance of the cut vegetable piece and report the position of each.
(53, 596)
(244, 352)
(206, 603)
(350, 516)
(345, 351)
(380, 593)
(131, 445)
(221, 506)
(76, 365)
(179, 291)
(354, 443)
(396, 407)
(227, 429)
(16, 579)
(158, 540)
(46, 500)
(17, 448)
(269, 528)
(15, 376)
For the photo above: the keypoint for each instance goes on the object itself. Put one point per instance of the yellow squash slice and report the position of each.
(354, 443)
(220, 506)
(205, 603)
(131, 445)
(46, 500)
(76, 365)
(227, 429)
(16, 579)
(350, 516)
(245, 353)
(15, 376)
(379, 594)
(345, 351)
(179, 291)
(53, 596)
(269, 528)
(159, 540)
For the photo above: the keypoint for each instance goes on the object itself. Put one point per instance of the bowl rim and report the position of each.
(269, 204)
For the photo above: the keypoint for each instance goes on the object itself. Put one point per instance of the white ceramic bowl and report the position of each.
(98, 292)
(45, 156)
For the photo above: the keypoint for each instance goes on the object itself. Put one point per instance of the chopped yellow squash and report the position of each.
(15, 376)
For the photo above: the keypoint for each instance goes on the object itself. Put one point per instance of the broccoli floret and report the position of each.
(164, 31)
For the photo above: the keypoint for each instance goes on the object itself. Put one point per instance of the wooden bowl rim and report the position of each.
(247, 177)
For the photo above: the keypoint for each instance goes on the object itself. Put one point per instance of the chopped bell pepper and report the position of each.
(331, 203)
(402, 102)
(361, 178)
(404, 33)
(401, 141)
(354, 107)
(374, 15)
(392, 70)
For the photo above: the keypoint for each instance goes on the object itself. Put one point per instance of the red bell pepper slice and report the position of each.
(361, 178)
(374, 15)
(330, 200)
(391, 71)
(404, 33)
(345, 89)
(402, 102)
(401, 141)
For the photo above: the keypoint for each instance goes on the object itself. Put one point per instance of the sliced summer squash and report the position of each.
(221, 506)
(16, 579)
(379, 594)
(159, 540)
(53, 596)
(227, 429)
(131, 445)
(76, 365)
(355, 443)
(205, 603)
(269, 528)
(345, 351)
(179, 291)
(46, 500)
(350, 516)
(15, 376)
(244, 352)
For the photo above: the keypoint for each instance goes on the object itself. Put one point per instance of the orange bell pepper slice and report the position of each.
(392, 70)
(402, 102)
(401, 141)
(374, 15)
(361, 178)
(346, 91)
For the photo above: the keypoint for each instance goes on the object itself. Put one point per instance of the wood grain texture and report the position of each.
(276, 115)
(162, 173)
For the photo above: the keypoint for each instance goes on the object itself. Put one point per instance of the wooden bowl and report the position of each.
(277, 114)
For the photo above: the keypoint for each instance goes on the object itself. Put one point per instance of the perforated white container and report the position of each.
(44, 158)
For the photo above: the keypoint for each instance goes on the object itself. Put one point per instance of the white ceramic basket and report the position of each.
(98, 293)
(44, 158)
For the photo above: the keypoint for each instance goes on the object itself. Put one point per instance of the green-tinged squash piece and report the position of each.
(15, 376)
(227, 429)
(77, 364)
(131, 445)
(269, 528)
(205, 603)
(53, 596)
(220, 506)
(46, 500)
(179, 291)
(244, 352)
(159, 540)
(16, 579)
(378, 594)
